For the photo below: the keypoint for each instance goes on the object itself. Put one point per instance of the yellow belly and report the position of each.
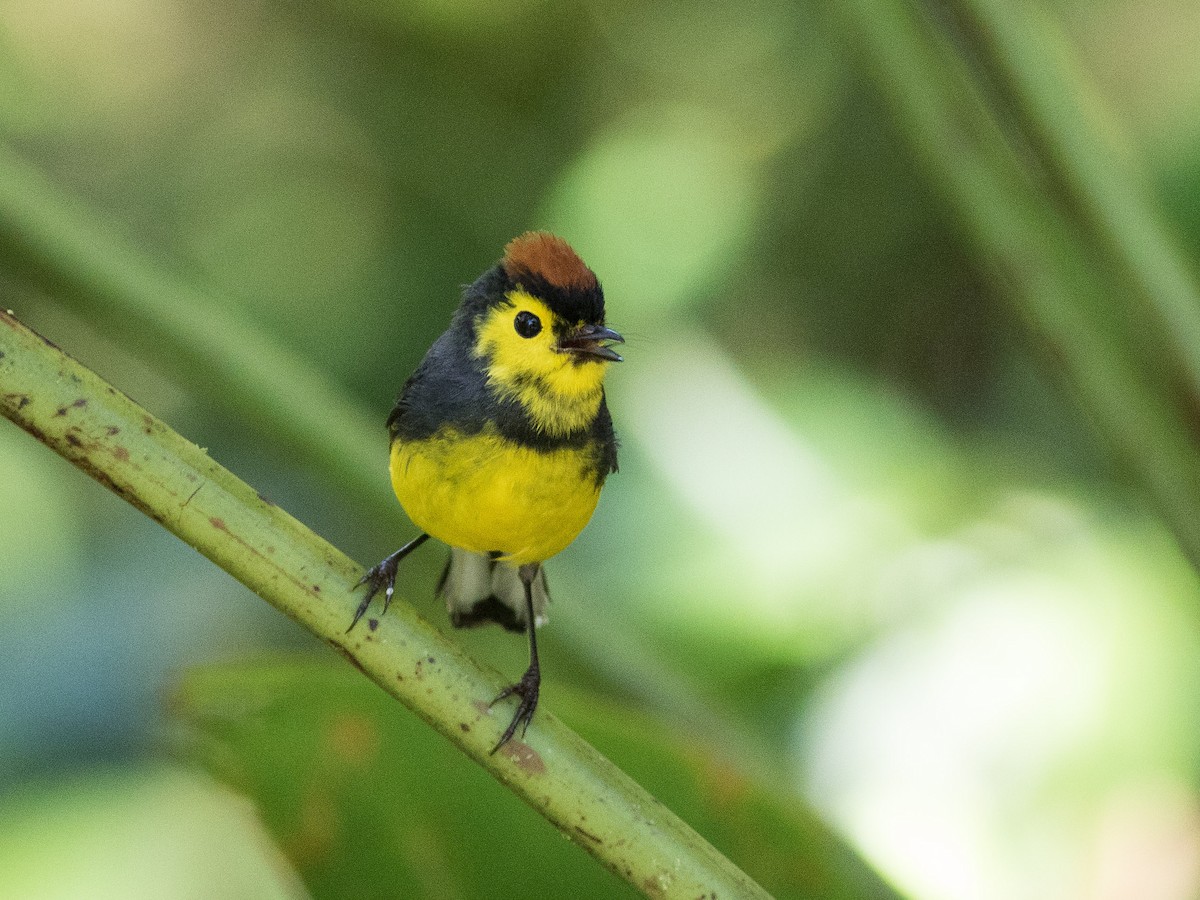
(484, 493)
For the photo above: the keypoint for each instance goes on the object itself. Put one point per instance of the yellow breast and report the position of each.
(484, 493)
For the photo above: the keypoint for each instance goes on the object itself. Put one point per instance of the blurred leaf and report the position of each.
(663, 201)
(993, 110)
(142, 835)
(367, 802)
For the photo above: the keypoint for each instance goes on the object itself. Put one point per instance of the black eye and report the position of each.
(527, 324)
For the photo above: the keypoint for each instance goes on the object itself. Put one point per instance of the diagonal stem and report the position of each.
(93, 425)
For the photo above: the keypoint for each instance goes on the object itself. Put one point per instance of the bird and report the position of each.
(501, 441)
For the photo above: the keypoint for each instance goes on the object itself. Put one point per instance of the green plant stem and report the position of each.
(1018, 186)
(97, 428)
(58, 245)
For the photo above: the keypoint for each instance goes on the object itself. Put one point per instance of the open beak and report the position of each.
(591, 341)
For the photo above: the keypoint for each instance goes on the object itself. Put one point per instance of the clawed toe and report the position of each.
(383, 578)
(527, 689)
(380, 577)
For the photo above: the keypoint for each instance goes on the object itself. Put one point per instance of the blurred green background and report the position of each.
(867, 548)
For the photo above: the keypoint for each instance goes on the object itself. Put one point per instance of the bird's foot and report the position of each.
(527, 689)
(378, 578)
(383, 578)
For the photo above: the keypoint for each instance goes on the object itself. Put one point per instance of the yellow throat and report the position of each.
(559, 395)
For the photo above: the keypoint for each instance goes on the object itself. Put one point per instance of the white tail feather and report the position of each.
(471, 580)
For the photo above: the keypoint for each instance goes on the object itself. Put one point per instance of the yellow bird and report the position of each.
(501, 441)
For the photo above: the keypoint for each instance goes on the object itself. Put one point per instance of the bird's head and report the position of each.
(538, 321)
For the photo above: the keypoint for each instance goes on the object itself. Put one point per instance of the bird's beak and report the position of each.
(591, 341)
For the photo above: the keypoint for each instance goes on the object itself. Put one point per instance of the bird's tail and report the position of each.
(478, 589)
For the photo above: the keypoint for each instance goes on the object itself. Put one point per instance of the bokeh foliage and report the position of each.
(374, 805)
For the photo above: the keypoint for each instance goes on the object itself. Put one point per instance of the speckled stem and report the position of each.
(78, 415)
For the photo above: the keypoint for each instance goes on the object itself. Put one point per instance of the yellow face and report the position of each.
(560, 392)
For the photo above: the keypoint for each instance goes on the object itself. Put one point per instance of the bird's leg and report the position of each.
(383, 577)
(527, 687)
